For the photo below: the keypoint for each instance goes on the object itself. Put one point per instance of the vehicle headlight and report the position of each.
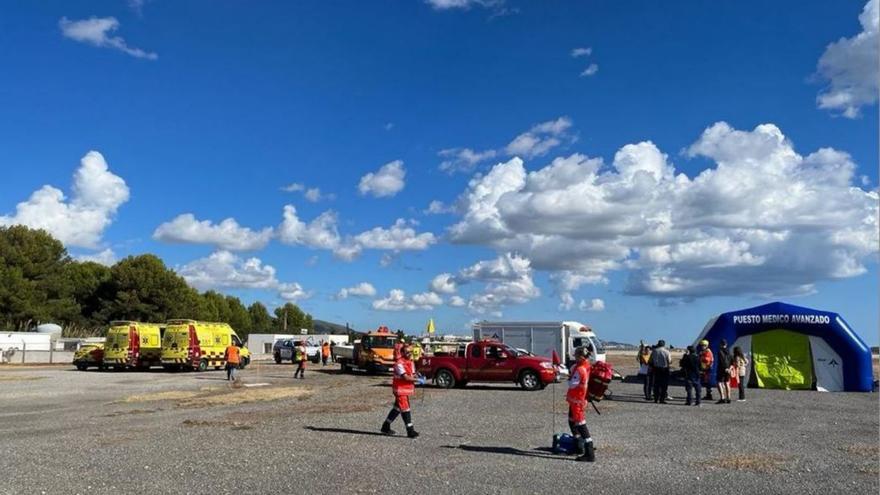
(546, 365)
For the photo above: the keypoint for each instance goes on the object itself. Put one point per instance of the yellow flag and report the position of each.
(431, 326)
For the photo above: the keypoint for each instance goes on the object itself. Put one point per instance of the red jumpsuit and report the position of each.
(401, 387)
(576, 396)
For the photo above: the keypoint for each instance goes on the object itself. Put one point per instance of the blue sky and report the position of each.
(213, 109)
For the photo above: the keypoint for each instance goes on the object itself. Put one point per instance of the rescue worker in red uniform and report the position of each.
(706, 361)
(579, 378)
(403, 385)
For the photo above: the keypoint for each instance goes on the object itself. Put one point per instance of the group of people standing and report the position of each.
(697, 367)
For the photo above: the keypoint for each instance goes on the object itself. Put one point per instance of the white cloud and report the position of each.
(98, 32)
(438, 208)
(399, 237)
(581, 52)
(594, 305)
(363, 289)
(226, 235)
(540, 139)
(566, 301)
(96, 195)
(386, 182)
(591, 70)
(463, 4)
(508, 281)
(106, 257)
(443, 284)
(398, 301)
(457, 302)
(225, 270)
(851, 66)
(763, 221)
(320, 233)
(311, 194)
(463, 159)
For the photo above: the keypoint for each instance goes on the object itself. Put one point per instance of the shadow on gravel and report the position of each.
(544, 453)
(348, 431)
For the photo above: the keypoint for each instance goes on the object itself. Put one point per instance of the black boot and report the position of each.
(580, 447)
(589, 453)
(407, 419)
(386, 429)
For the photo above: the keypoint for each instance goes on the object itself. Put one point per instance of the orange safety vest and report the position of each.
(325, 350)
(399, 385)
(706, 359)
(232, 356)
(578, 380)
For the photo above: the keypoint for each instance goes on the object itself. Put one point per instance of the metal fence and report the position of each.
(19, 354)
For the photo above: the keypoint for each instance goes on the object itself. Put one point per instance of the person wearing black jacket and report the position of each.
(722, 373)
(690, 367)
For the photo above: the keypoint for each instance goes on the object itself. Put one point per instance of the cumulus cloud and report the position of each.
(443, 284)
(323, 233)
(457, 302)
(508, 280)
(106, 257)
(363, 289)
(399, 237)
(581, 52)
(540, 139)
(851, 67)
(225, 270)
(595, 304)
(463, 4)
(386, 182)
(98, 32)
(227, 235)
(397, 300)
(438, 208)
(463, 159)
(311, 194)
(591, 70)
(96, 195)
(764, 220)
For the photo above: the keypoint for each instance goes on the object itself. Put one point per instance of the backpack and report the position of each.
(601, 374)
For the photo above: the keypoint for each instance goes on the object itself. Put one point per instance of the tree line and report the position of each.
(41, 283)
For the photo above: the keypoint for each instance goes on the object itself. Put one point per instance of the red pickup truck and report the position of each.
(487, 361)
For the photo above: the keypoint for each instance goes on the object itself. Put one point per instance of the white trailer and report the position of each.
(541, 338)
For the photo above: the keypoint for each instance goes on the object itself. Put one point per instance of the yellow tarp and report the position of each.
(782, 360)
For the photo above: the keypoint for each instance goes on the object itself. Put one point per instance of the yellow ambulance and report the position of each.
(133, 344)
(190, 344)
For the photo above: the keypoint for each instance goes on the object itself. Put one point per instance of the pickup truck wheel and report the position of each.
(277, 359)
(444, 379)
(81, 367)
(529, 380)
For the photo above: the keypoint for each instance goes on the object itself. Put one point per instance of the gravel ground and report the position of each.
(65, 431)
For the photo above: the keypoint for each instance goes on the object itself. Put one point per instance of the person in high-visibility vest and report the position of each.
(578, 381)
(301, 356)
(233, 359)
(416, 352)
(706, 361)
(325, 353)
(403, 385)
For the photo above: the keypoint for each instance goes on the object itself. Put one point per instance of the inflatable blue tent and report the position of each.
(792, 347)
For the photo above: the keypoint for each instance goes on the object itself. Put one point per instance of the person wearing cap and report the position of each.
(403, 385)
(690, 367)
(706, 361)
(722, 373)
(660, 360)
(578, 382)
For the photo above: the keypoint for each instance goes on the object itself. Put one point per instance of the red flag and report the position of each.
(555, 358)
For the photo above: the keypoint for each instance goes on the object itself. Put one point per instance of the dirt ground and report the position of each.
(66, 431)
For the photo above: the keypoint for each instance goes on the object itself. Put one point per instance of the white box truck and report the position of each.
(541, 338)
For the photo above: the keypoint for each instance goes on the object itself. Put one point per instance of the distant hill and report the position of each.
(618, 346)
(322, 326)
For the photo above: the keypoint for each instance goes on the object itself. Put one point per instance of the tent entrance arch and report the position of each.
(782, 360)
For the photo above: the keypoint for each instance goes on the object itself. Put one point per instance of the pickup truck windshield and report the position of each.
(379, 342)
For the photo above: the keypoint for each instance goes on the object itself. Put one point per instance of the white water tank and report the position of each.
(50, 328)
